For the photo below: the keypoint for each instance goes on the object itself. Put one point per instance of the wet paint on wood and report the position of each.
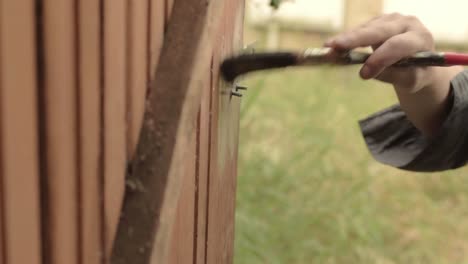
(168, 10)
(137, 73)
(90, 151)
(156, 34)
(18, 134)
(161, 153)
(60, 108)
(115, 112)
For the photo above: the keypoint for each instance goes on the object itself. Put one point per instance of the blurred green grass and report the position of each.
(309, 191)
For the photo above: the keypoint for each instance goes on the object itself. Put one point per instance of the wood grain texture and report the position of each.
(137, 81)
(18, 135)
(203, 162)
(224, 142)
(183, 236)
(168, 10)
(60, 87)
(90, 131)
(115, 139)
(161, 153)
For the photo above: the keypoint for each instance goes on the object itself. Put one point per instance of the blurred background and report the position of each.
(308, 189)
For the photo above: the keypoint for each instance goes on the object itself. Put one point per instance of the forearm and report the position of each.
(428, 107)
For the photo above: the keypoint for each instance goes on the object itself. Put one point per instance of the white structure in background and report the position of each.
(447, 19)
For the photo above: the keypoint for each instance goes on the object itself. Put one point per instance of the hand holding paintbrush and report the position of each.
(403, 50)
(246, 63)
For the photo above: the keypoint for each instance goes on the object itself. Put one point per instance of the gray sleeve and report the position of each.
(393, 140)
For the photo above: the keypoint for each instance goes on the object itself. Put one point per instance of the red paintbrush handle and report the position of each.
(455, 58)
(425, 58)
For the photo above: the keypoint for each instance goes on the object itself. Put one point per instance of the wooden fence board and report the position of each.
(137, 73)
(203, 161)
(90, 131)
(73, 90)
(224, 136)
(20, 193)
(161, 153)
(183, 246)
(168, 10)
(61, 132)
(114, 112)
(156, 34)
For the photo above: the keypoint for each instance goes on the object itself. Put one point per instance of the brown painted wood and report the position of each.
(19, 173)
(168, 11)
(60, 108)
(183, 237)
(2, 226)
(137, 73)
(90, 131)
(224, 142)
(149, 209)
(156, 34)
(115, 139)
(203, 161)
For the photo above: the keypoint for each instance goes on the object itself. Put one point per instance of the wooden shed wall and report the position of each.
(76, 77)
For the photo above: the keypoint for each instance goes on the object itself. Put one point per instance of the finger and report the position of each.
(330, 42)
(369, 36)
(375, 32)
(391, 51)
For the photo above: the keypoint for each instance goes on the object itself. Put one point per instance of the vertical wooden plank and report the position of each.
(90, 129)
(19, 133)
(137, 73)
(224, 142)
(2, 238)
(161, 159)
(183, 246)
(168, 10)
(61, 129)
(156, 34)
(115, 138)
(203, 162)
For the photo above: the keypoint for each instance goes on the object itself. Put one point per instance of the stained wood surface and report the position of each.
(168, 10)
(203, 161)
(93, 90)
(89, 97)
(60, 109)
(156, 35)
(184, 232)
(115, 113)
(178, 97)
(137, 82)
(19, 142)
(224, 141)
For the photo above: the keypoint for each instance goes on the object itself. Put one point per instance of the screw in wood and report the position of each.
(236, 94)
(240, 88)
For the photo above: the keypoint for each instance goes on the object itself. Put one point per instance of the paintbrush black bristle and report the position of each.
(233, 67)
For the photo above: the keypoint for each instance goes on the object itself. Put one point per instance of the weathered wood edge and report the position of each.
(175, 93)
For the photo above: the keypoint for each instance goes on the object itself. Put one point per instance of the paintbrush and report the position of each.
(235, 66)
